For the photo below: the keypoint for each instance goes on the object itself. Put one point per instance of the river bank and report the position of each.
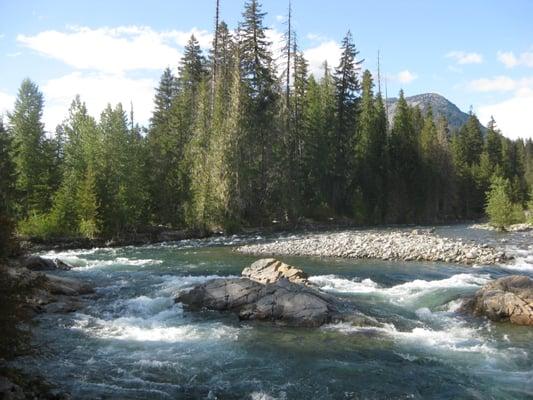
(389, 244)
(156, 234)
(26, 293)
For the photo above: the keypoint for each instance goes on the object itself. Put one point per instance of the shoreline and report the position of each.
(386, 245)
(156, 235)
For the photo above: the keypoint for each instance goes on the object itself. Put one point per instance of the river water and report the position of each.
(133, 342)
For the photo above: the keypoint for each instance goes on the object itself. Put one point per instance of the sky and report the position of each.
(476, 53)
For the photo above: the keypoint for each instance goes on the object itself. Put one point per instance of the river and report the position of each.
(133, 342)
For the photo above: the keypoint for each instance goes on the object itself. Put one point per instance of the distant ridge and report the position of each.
(440, 105)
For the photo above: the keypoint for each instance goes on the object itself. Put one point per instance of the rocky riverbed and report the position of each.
(415, 245)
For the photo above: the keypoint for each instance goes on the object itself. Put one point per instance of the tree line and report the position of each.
(237, 140)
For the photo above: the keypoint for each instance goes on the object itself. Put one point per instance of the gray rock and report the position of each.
(10, 391)
(269, 270)
(222, 294)
(282, 302)
(292, 304)
(36, 263)
(505, 299)
(58, 285)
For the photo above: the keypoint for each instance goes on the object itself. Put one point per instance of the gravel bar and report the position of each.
(417, 245)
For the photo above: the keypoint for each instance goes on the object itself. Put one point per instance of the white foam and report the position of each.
(524, 264)
(455, 338)
(84, 264)
(401, 293)
(147, 306)
(153, 329)
(333, 283)
(261, 396)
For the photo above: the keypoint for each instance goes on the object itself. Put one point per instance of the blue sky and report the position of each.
(476, 53)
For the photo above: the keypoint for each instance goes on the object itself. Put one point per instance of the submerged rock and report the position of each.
(505, 299)
(271, 296)
(268, 270)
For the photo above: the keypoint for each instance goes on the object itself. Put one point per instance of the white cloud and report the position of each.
(315, 37)
(404, 77)
(497, 84)
(6, 103)
(97, 90)
(462, 57)
(513, 116)
(280, 18)
(509, 59)
(113, 50)
(327, 51)
(501, 83)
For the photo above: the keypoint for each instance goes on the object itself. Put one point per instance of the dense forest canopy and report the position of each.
(236, 141)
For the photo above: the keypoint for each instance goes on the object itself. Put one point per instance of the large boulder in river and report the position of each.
(269, 270)
(505, 299)
(269, 290)
(36, 263)
(281, 301)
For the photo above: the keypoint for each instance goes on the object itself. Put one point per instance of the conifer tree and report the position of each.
(7, 187)
(347, 89)
(29, 151)
(261, 134)
(493, 145)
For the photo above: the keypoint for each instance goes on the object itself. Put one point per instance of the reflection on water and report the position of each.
(134, 342)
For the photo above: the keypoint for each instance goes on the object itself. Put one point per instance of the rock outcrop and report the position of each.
(52, 293)
(36, 263)
(266, 294)
(505, 299)
(268, 270)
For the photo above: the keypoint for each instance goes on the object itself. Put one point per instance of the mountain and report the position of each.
(439, 104)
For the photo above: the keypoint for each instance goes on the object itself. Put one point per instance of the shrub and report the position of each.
(499, 208)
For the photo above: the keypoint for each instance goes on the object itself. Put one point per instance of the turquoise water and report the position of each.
(133, 342)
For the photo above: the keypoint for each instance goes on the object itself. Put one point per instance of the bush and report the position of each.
(499, 208)
(37, 225)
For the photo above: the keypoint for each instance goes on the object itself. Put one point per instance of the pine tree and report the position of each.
(7, 187)
(89, 223)
(493, 146)
(192, 69)
(122, 186)
(260, 140)
(347, 89)
(405, 200)
(317, 154)
(29, 151)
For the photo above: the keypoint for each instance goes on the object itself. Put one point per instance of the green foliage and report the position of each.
(31, 151)
(500, 210)
(7, 198)
(230, 144)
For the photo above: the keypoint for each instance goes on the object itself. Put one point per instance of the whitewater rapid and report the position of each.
(134, 341)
